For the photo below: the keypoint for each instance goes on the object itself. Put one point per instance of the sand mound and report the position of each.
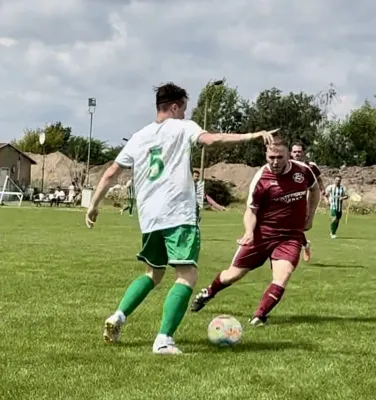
(239, 175)
(97, 172)
(361, 180)
(59, 170)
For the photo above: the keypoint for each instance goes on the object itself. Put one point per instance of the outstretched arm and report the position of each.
(220, 139)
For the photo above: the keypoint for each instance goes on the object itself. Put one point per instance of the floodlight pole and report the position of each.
(215, 83)
(43, 164)
(42, 141)
(92, 103)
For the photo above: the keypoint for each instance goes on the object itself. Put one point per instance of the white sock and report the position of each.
(119, 314)
(161, 340)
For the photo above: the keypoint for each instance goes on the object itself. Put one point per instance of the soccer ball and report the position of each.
(225, 330)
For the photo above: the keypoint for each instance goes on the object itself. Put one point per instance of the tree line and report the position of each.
(60, 138)
(302, 117)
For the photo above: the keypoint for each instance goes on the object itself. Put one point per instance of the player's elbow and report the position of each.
(209, 139)
(112, 172)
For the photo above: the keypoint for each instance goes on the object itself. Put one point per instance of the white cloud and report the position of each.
(55, 54)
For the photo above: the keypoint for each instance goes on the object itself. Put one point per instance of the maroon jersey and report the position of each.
(315, 169)
(281, 200)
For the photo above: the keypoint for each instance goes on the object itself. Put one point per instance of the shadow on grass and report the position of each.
(321, 265)
(296, 319)
(317, 319)
(205, 345)
(250, 346)
(352, 238)
(218, 240)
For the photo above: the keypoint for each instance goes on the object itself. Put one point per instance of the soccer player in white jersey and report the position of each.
(160, 155)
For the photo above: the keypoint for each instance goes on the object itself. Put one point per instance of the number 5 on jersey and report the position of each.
(156, 166)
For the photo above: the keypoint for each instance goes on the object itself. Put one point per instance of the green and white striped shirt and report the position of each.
(335, 193)
(130, 189)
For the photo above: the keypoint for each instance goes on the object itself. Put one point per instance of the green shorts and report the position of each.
(172, 246)
(335, 214)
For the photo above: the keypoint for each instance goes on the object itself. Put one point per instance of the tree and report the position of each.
(78, 146)
(57, 137)
(333, 149)
(225, 113)
(359, 129)
(348, 142)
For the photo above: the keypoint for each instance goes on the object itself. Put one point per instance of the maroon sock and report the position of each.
(270, 299)
(217, 286)
(304, 243)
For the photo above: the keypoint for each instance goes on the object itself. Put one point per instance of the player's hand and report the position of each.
(267, 136)
(91, 217)
(245, 240)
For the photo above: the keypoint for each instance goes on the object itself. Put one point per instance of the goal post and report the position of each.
(10, 193)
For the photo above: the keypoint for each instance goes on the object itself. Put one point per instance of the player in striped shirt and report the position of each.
(297, 154)
(130, 198)
(335, 194)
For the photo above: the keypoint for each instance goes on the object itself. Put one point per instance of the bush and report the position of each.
(219, 191)
(355, 208)
(117, 197)
(362, 209)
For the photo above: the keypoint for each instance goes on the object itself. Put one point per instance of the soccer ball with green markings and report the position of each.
(225, 330)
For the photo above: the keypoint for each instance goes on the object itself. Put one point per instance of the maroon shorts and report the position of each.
(256, 254)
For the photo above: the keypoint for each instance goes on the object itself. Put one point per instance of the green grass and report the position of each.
(59, 281)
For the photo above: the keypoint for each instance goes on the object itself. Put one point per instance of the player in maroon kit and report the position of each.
(297, 154)
(278, 212)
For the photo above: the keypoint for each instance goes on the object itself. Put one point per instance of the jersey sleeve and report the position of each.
(256, 191)
(192, 131)
(124, 158)
(315, 169)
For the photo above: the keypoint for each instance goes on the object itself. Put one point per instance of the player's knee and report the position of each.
(232, 275)
(186, 275)
(156, 274)
(282, 271)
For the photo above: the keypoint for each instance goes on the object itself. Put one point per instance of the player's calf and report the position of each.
(282, 270)
(222, 281)
(307, 253)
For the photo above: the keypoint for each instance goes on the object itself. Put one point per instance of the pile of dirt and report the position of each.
(361, 180)
(239, 175)
(59, 170)
(97, 172)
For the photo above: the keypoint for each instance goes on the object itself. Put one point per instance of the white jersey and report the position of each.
(160, 156)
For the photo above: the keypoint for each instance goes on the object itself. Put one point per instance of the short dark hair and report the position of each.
(168, 94)
(277, 141)
(196, 172)
(298, 144)
(338, 176)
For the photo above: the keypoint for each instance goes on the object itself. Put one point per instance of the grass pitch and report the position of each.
(59, 281)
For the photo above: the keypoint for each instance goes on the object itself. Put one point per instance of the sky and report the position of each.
(55, 54)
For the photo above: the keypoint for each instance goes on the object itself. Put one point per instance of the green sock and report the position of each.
(336, 224)
(135, 294)
(333, 227)
(175, 306)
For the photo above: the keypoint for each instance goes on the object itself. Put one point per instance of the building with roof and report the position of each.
(15, 164)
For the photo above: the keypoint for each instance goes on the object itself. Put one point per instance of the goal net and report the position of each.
(10, 193)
